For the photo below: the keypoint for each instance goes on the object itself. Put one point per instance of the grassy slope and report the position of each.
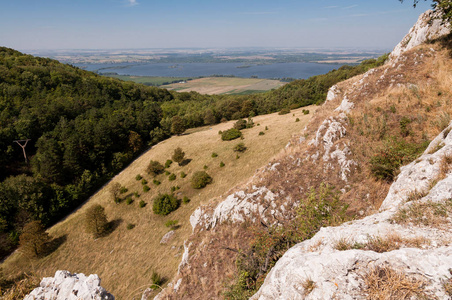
(126, 259)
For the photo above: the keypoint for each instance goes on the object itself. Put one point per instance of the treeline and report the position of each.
(84, 128)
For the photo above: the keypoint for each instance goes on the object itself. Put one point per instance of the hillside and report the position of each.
(138, 251)
(344, 167)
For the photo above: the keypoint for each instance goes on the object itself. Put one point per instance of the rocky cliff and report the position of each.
(399, 246)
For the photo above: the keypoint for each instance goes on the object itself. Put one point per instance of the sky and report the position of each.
(130, 24)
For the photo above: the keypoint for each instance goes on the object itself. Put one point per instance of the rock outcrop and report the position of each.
(428, 27)
(341, 274)
(67, 286)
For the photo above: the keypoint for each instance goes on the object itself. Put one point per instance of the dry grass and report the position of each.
(428, 213)
(21, 287)
(308, 286)
(448, 285)
(384, 283)
(382, 244)
(125, 259)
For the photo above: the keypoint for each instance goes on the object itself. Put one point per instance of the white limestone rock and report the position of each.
(333, 92)
(67, 286)
(167, 237)
(428, 27)
(338, 274)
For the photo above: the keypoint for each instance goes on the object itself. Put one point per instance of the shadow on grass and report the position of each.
(54, 244)
(185, 162)
(111, 226)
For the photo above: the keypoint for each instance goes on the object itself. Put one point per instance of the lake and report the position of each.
(277, 70)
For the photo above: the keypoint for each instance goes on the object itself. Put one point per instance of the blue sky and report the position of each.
(110, 24)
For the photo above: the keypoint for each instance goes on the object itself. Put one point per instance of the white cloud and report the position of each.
(351, 6)
(132, 2)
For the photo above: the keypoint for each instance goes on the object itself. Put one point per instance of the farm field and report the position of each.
(225, 85)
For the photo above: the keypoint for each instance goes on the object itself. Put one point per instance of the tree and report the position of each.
(177, 125)
(96, 221)
(155, 168)
(115, 191)
(178, 155)
(34, 239)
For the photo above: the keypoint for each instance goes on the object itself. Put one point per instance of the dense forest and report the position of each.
(83, 128)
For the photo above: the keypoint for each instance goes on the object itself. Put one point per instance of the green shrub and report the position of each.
(237, 156)
(220, 132)
(138, 177)
(393, 109)
(404, 129)
(200, 179)
(266, 128)
(172, 177)
(144, 182)
(240, 124)
(297, 120)
(261, 133)
(167, 173)
(205, 167)
(182, 174)
(168, 163)
(136, 195)
(240, 147)
(231, 134)
(394, 154)
(305, 111)
(146, 188)
(142, 204)
(123, 190)
(175, 188)
(155, 168)
(284, 111)
(130, 226)
(165, 204)
(172, 224)
(178, 155)
(156, 182)
(222, 164)
(214, 155)
(185, 200)
(157, 280)
(129, 200)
